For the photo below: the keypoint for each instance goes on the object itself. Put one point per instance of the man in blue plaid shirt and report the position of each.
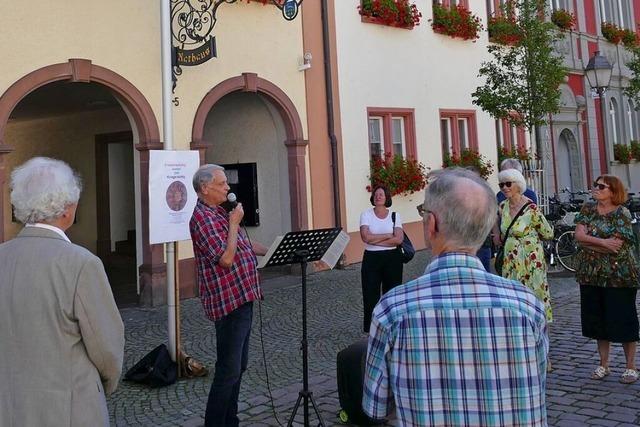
(458, 346)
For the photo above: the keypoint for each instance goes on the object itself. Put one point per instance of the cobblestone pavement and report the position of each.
(334, 322)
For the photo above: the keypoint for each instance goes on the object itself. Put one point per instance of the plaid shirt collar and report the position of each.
(454, 259)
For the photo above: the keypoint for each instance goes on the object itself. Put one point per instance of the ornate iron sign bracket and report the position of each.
(192, 22)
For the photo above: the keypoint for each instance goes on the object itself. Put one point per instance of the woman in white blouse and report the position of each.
(382, 261)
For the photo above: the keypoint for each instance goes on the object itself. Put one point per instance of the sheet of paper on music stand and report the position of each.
(336, 249)
(330, 258)
(265, 259)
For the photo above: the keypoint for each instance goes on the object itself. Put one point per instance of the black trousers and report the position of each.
(379, 268)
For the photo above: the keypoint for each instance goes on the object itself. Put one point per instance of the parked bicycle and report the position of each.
(563, 248)
(633, 204)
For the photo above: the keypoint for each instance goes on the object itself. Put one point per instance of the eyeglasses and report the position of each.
(505, 184)
(600, 186)
(424, 212)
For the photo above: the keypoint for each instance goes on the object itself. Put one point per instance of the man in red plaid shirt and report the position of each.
(228, 282)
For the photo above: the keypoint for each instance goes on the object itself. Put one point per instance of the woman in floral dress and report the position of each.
(608, 275)
(523, 254)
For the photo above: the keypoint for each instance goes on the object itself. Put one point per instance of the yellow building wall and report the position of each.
(124, 36)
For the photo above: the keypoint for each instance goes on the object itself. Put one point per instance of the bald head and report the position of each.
(464, 207)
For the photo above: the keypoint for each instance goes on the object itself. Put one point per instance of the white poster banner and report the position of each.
(171, 194)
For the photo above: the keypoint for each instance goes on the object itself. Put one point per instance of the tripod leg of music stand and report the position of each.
(295, 410)
(315, 408)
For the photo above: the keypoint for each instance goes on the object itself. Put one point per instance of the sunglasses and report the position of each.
(600, 186)
(505, 184)
(421, 209)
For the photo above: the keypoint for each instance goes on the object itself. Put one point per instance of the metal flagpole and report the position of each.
(167, 133)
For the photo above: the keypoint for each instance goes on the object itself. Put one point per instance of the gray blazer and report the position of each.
(61, 335)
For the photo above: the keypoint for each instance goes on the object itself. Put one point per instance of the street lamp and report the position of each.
(598, 72)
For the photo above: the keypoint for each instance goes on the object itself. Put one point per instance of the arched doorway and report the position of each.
(55, 111)
(246, 135)
(271, 107)
(568, 165)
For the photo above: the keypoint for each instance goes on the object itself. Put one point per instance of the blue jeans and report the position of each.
(232, 350)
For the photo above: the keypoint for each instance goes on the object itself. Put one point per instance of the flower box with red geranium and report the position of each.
(629, 38)
(622, 153)
(563, 19)
(635, 149)
(455, 21)
(503, 30)
(399, 175)
(393, 13)
(469, 159)
(611, 32)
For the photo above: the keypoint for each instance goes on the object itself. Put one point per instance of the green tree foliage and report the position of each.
(521, 81)
(633, 89)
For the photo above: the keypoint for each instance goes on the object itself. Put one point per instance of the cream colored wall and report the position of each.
(250, 38)
(69, 138)
(381, 66)
(121, 35)
(124, 36)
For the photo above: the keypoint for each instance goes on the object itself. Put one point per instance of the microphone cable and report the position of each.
(264, 353)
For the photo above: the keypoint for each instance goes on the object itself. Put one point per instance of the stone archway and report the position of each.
(295, 142)
(82, 70)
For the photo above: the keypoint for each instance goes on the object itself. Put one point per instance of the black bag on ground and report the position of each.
(406, 247)
(156, 369)
(350, 376)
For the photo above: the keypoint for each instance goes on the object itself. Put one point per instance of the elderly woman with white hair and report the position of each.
(62, 336)
(522, 227)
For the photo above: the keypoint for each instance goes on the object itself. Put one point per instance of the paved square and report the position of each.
(334, 322)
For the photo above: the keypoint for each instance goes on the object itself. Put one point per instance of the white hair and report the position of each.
(42, 188)
(511, 163)
(204, 175)
(515, 177)
(463, 217)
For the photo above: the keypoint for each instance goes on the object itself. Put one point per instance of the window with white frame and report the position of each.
(613, 114)
(560, 4)
(391, 131)
(452, 3)
(632, 121)
(458, 131)
(508, 136)
(376, 136)
(495, 7)
(398, 136)
(617, 12)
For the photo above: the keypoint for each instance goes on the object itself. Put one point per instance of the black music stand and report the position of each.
(303, 247)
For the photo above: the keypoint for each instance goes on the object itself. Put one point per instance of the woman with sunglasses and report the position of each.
(608, 275)
(523, 253)
(382, 261)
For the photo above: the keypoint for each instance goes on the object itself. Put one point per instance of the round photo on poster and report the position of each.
(176, 196)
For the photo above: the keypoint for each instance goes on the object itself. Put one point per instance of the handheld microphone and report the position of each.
(232, 199)
(231, 203)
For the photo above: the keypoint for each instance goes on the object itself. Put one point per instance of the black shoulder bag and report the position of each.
(406, 247)
(499, 262)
